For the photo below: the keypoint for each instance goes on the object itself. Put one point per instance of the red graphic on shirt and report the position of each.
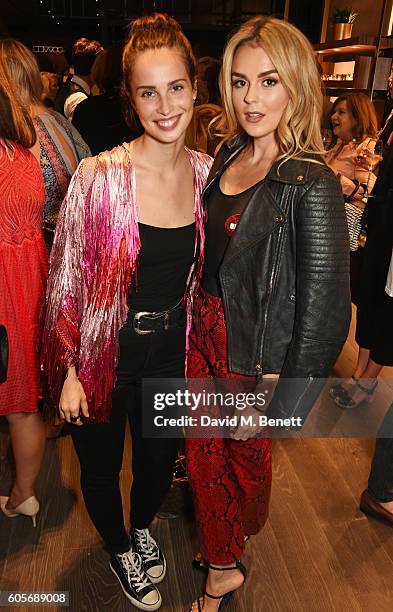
(231, 224)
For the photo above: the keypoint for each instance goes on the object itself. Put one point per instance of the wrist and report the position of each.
(348, 197)
(71, 374)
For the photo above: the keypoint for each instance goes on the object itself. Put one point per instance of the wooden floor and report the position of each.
(317, 552)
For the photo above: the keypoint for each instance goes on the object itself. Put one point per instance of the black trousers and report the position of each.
(100, 446)
(355, 270)
(380, 483)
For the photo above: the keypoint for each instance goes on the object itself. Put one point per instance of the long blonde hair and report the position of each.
(298, 133)
(15, 122)
(23, 69)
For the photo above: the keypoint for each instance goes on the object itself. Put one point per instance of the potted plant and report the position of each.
(343, 22)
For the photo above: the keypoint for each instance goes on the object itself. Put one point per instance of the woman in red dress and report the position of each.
(23, 274)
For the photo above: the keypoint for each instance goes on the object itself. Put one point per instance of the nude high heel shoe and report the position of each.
(30, 507)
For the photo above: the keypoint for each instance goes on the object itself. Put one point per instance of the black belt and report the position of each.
(145, 322)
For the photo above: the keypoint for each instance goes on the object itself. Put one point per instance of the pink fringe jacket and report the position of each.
(93, 258)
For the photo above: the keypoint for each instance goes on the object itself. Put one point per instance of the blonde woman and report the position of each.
(276, 235)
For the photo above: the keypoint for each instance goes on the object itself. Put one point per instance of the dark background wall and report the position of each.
(307, 15)
(206, 22)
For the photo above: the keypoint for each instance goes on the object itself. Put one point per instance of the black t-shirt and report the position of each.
(164, 262)
(223, 214)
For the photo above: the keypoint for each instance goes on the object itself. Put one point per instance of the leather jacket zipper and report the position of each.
(259, 366)
(261, 339)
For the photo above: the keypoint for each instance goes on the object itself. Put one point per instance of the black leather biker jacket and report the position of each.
(285, 280)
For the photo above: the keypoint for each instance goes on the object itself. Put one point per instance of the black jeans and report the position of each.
(380, 483)
(100, 446)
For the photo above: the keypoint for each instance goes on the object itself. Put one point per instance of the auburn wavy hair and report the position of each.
(153, 32)
(299, 131)
(362, 112)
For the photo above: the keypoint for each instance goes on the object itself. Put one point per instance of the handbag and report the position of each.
(354, 211)
(3, 354)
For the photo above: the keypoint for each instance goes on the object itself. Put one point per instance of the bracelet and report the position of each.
(349, 197)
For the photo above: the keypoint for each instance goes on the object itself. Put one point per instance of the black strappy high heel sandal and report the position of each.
(201, 565)
(225, 597)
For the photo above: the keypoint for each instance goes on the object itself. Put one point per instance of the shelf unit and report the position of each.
(371, 68)
(358, 45)
(370, 72)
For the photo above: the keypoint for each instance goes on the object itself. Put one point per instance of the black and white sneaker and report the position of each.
(134, 582)
(153, 560)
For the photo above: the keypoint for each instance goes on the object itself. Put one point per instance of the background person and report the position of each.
(386, 132)
(374, 317)
(50, 83)
(23, 274)
(207, 108)
(355, 127)
(78, 87)
(200, 134)
(377, 499)
(354, 124)
(99, 119)
(58, 147)
(208, 75)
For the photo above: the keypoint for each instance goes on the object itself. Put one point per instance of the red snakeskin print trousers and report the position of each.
(231, 479)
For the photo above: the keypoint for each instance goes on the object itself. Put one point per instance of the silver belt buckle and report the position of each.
(141, 332)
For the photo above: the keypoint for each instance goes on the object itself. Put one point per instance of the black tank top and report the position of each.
(223, 215)
(164, 262)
